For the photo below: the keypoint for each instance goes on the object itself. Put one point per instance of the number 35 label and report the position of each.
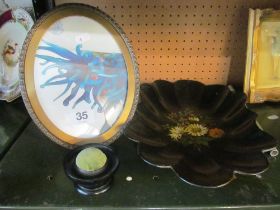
(81, 115)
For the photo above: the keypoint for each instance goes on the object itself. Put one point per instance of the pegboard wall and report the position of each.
(204, 40)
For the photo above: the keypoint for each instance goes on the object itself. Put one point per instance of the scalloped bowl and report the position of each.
(204, 133)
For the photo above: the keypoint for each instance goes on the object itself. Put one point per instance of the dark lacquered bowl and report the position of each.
(91, 184)
(204, 133)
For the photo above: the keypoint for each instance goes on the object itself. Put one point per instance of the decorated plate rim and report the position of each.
(15, 92)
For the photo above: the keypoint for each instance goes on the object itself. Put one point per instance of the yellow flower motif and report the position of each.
(176, 132)
(193, 118)
(172, 115)
(196, 130)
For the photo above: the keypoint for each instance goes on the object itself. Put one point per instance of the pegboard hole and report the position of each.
(129, 178)
(50, 178)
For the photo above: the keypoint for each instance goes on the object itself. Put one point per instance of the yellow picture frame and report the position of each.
(262, 75)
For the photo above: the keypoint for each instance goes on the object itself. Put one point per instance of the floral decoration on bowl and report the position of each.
(204, 133)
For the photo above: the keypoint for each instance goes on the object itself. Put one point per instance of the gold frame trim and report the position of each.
(27, 75)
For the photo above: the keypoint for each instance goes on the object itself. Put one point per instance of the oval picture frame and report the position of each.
(79, 77)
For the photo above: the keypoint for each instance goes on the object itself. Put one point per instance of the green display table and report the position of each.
(13, 119)
(32, 176)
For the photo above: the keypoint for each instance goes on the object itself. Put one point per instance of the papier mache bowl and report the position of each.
(205, 133)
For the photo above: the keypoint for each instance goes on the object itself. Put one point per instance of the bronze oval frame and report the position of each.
(27, 85)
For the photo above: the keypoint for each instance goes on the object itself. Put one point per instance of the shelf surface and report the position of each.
(13, 119)
(32, 176)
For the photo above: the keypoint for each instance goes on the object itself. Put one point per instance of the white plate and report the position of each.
(14, 26)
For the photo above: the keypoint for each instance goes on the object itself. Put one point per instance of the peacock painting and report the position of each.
(94, 78)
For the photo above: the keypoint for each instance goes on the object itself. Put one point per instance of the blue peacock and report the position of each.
(98, 75)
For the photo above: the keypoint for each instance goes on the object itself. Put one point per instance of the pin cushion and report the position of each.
(91, 161)
(91, 168)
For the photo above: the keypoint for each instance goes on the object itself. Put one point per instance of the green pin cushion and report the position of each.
(91, 161)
